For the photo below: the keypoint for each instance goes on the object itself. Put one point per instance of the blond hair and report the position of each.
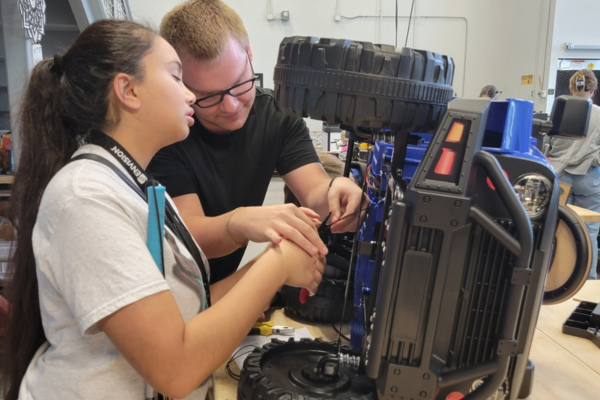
(201, 28)
(583, 81)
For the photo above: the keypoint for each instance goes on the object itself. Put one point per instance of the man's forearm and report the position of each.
(210, 234)
(317, 198)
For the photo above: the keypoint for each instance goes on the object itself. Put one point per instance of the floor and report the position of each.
(274, 196)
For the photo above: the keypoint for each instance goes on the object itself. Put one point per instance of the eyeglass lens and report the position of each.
(235, 91)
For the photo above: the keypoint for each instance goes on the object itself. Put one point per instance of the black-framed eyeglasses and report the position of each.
(234, 91)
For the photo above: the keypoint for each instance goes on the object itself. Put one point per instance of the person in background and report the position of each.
(218, 177)
(92, 316)
(577, 162)
(489, 91)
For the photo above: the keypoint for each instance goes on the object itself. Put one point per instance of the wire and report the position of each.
(237, 355)
(409, 19)
(340, 334)
(352, 258)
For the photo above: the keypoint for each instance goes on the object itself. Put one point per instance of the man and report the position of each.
(219, 175)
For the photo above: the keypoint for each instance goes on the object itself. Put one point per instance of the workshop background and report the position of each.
(528, 49)
(513, 44)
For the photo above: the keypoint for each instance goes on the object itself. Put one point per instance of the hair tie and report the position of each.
(58, 67)
(580, 82)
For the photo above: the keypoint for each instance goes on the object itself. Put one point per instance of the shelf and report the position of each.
(7, 179)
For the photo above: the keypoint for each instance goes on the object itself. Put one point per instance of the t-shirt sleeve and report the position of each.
(169, 168)
(297, 149)
(98, 260)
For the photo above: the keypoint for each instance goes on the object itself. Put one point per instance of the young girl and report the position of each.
(92, 316)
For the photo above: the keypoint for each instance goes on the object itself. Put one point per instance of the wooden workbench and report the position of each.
(566, 367)
(585, 214)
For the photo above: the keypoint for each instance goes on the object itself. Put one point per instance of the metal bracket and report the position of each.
(521, 276)
(507, 348)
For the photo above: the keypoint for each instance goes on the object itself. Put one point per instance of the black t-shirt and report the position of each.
(234, 170)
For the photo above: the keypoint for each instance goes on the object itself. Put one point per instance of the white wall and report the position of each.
(574, 22)
(491, 41)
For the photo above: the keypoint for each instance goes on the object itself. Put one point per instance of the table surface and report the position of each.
(585, 214)
(566, 367)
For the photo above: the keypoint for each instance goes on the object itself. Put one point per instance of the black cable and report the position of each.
(238, 353)
(352, 259)
(346, 338)
(409, 19)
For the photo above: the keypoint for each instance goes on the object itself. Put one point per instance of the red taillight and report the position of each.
(445, 163)
(455, 396)
(456, 132)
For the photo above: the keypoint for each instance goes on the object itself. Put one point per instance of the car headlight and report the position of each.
(533, 190)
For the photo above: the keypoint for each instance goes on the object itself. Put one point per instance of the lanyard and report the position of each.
(143, 179)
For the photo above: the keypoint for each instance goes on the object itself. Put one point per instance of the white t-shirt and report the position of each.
(89, 242)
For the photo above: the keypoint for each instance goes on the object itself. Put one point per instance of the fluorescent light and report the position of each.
(571, 46)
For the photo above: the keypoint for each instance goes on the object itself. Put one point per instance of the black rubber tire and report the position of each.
(267, 373)
(325, 306)
(363, 85)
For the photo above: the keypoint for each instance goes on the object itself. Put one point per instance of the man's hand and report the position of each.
(344, 198)
(273, 223)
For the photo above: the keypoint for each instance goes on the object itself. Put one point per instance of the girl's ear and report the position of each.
(125, 91)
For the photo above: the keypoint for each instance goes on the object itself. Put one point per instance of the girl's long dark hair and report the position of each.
(65, 99)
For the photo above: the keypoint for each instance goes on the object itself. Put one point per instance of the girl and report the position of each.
(92, 316)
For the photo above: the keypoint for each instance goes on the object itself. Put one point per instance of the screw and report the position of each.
(423, 218)
(426, 376)
(426, 199)
(453, 222)
(423, 394)
(457, 203)
(396, 371)
(394, 389)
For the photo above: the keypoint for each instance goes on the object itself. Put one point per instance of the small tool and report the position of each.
(269, 328)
